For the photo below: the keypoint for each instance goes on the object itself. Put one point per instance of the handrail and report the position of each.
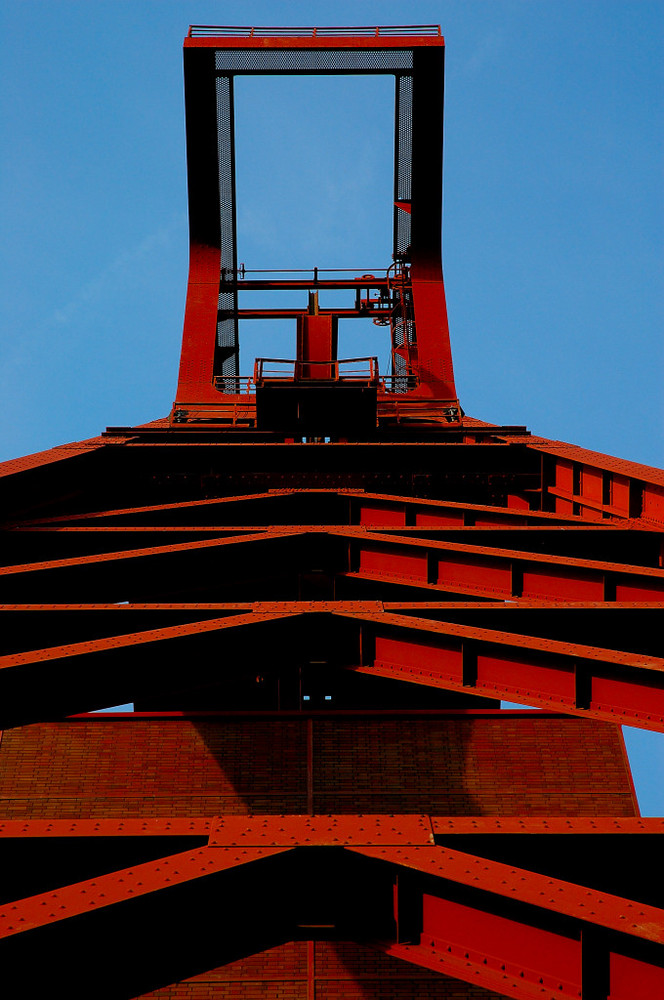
(242, 270)
(375, 31)
(241, 385)
(266, 369)
(233, 385)
(331, 361)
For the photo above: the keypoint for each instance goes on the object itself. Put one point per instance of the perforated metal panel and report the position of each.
(403, 333)
(313, 61)
(403, 142)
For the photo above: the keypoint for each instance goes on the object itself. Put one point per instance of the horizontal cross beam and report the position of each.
(608, 684)
(480, 921)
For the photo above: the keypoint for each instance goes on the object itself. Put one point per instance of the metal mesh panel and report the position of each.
(227, 333)
(403, 332)
(308, 60)
(400, 369)
(403, 159)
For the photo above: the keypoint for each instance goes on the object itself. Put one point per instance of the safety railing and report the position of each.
(242, 385)
(234, 385)
(273, 369)
(356, 370)
(367, 274)
(278, 31)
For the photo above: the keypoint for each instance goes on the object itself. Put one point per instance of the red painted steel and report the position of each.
(577, 679)
(367, 508)
(259, 565)
(551, 824)
(352, 39)
(628, 974)
(336, 32)
(285, 830)
(577, 902)
(414, 294)
(505, 950)
(545, 673)
(126, 827)
(320, 831)
(538, 941)
(472, 966)
(451, 567)
(122, 886)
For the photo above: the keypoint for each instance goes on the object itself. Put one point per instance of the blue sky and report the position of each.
(553, 212)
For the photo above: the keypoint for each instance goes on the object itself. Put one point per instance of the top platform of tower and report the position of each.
(316, 397)
(374, 36)
(316, 393)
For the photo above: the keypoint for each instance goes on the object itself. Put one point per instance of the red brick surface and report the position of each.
(328, 971)
(471, 766)
(461, 765)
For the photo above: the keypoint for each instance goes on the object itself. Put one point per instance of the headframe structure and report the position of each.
(409, 297)
(316, 583)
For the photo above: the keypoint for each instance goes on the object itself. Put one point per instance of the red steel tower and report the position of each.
(316, 583)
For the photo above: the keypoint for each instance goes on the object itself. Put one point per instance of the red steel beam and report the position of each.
(151, 551)
(298, 313)
(454, 567)
(471, 965)
(258, 606)
(176, 826)
(179, 505)
(595, 484)
(120, 642)
(542, 891)
(52, 529)
(287, 830)
(450, 907)
(595, 970)
(371, 508)
(611, 685)
(393, 829)
(280, 608)
(587, 483)
(107, 890)
(431, 530)
(443, 566)
(263, 285)
(354, 37)
(536, 825)
(61, 453)
(477, 939)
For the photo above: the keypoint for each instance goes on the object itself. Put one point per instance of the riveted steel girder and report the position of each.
(485, 922)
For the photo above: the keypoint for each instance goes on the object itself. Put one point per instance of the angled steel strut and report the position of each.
(315, 582)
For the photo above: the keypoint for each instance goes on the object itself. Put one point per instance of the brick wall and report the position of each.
(481, 764)
(321, 971)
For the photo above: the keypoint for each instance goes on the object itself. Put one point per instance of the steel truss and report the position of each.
(431, 905)
(384, 558)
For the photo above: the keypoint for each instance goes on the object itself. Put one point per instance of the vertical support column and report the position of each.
(210, 338)
(316, 343)
(432, 329)
(227, 348)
